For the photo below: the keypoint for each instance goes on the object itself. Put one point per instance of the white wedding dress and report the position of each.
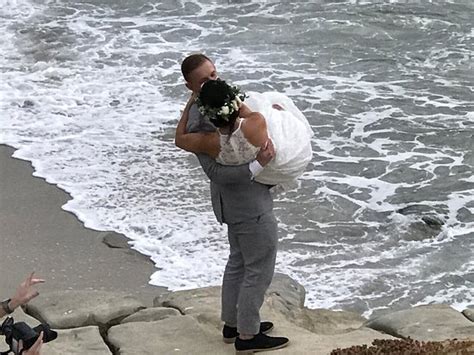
(291, 135)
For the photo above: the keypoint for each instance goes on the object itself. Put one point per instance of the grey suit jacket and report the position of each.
(235, 196)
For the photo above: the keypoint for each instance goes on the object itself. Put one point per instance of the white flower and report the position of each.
(235, 105)
(224, 110)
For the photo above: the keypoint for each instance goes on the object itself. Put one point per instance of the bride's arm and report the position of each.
(244, 111)
(254, 129)
(205, 142)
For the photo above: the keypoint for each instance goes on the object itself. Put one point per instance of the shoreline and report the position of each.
(38, 235)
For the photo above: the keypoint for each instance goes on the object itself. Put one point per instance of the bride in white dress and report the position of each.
(242, 129)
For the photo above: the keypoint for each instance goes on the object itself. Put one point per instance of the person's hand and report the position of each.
(35, 348)
(266, 153)
(25, 292)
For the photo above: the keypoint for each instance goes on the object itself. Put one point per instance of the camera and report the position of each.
(14, 332)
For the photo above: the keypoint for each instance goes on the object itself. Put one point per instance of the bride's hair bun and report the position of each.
(215, 93)
(220, 102)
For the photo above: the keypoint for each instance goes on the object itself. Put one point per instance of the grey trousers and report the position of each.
(249, 271)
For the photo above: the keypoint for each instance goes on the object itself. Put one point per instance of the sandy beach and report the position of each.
(37, 235)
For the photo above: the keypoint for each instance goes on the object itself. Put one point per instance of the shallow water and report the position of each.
(91, 92)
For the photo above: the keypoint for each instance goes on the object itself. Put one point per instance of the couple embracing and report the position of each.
(248, 144)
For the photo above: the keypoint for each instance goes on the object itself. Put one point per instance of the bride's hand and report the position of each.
(266, 153)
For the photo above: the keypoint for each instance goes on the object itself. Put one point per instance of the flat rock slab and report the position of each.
(426, 323)
(77, 341)
(174, 335)
(185, 335)
(72, 309)
(283, 302)
(151, 315)
(203, 303)
(191, 301)
(317, 344)
(325, 321)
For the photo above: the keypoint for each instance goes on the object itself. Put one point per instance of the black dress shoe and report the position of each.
(230, 333)
(259, 342)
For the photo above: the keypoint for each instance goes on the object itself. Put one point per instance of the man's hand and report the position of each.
(25, 292)
(266, 153)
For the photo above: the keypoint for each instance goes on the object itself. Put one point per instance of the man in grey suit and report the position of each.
(246, 206)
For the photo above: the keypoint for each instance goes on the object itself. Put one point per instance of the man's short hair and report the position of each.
(192, 62)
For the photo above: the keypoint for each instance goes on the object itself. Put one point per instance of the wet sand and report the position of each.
(37, 235)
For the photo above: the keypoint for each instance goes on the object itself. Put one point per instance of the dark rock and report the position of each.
(115, 240)
(415, 209)
(469, 313)
(420, 231)
(28, 104)
(433, 221)
(119, 241)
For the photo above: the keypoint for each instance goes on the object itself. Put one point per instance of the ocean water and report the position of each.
(91, 92)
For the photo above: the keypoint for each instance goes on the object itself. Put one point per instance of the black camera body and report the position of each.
(14, 332)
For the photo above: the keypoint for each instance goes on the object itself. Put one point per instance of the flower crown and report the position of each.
(226, 110)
